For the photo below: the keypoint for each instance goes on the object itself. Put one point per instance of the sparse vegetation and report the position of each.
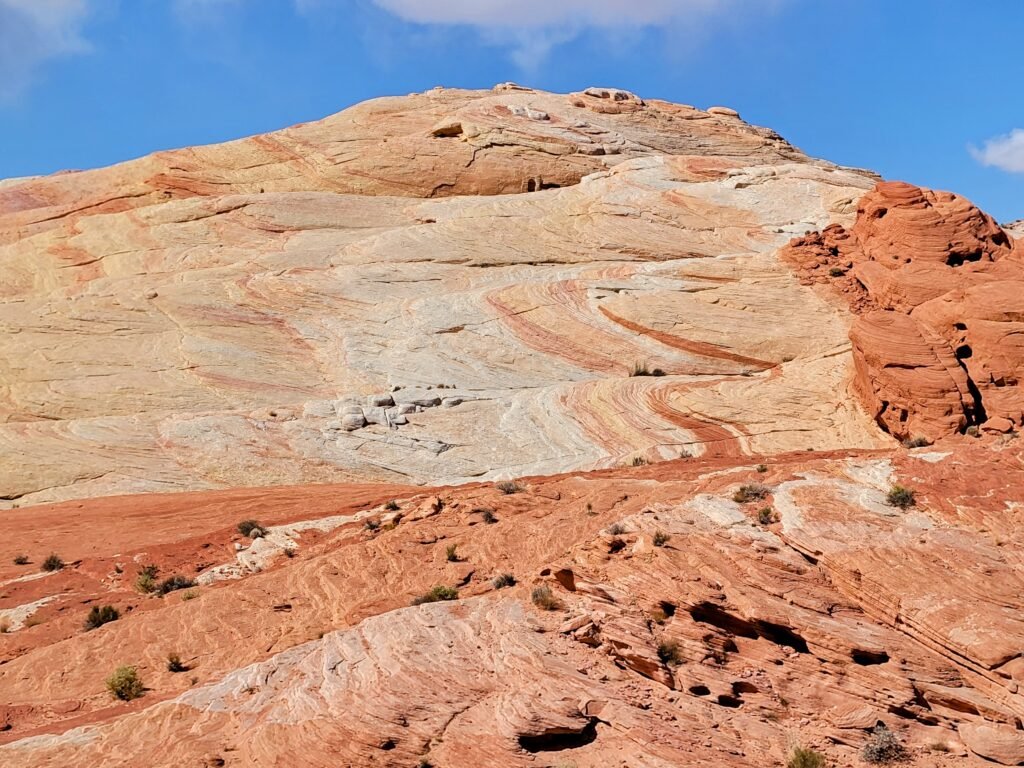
(175, 582)
(639, 461)
(544, 598)
(805, 758)
(392, 506)
(836, 272)
(916, 442)
(661, 538)
(451, 553)
(590, 509)
(371, 525)
(146, 580)
(766, 516)
(750, 492)
(125, 684)
(504, 580)
(670, 653)
(883, 747)
(437, 594)
(99, 616)
(641, 369)
(190, 594)
(901, 497)
(616, 529)
(508, 487)
(21, 560)
(939, 746)
(762, 468)
(487, 515)
(252, 529)
(175, 664)
(52, 563)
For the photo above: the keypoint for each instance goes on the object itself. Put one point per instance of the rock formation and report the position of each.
(263, 400)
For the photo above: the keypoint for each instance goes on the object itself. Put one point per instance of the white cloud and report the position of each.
(34, 31)
(534, 27)
(1003, 152)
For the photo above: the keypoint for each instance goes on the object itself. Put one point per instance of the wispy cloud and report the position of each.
(33, 32)
(1003, 152)
(533, 27)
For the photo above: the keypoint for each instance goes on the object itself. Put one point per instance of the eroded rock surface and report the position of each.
(937, 285)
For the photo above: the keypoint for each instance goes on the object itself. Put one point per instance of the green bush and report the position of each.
(544, 599)
(99, 616)
(504, 580)
(437, 594)
(252, 529)
(750, 492)
(901, 497)
(805, 758)
(765, 516)
(125, 684)
(146, 580)
(669, 653)
(175, 582)
(53, 563)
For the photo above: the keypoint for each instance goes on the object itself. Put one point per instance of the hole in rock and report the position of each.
(729, 701)
(669, 609)
(450, 131)
(742, 686)
(557, 740)
(531, 185)
(963, 352)
(957, 259)
(960, 326)
(699, 690)
(708, 613)
(868, 658)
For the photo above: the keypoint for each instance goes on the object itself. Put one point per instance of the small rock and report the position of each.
(723, 111)
(451, 402)
(380, 400)
(353, 421)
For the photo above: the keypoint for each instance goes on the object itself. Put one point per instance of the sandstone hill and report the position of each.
(705, 450)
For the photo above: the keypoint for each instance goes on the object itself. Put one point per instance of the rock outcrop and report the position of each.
(937, 287)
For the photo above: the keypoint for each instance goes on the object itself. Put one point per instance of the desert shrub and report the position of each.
(451, 553)
(392, 506)
(916, 442)
(641, 369)
(99, 616)
(669, 652)
(616, 529)
(371, 525)
(487, 515)
(146, 580)
(762, 468)
(883, 746)
(175, 664)
(252, 529)
(836, 272)
(125, 684)
(939, 746)
(765, 516)
(189, 594)
(504, 580)
(639, 461)
(437, 594)
(750, 492)
(544, 598)
(175, 582)
(53, 563)
(508, 487)
(901, 497)
(590, 509)
(661, 539)
(21, 560)
(805, 758)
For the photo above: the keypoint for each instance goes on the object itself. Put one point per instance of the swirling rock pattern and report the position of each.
(187, 320)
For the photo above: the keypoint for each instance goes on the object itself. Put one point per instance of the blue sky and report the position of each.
(922, 90)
